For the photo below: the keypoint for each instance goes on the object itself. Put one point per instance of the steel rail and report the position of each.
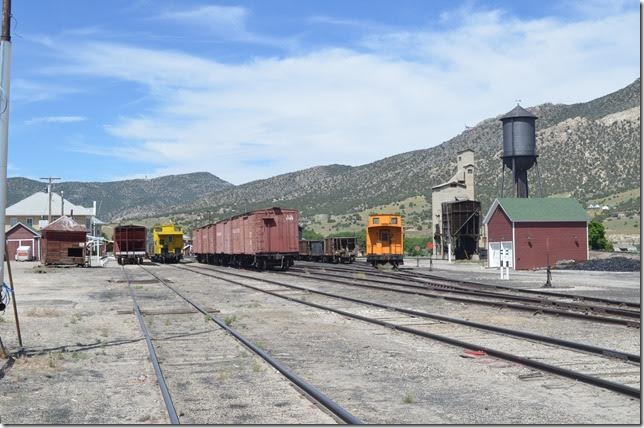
(524, 290)
(518, 333)
(591, 380)
(534, 309)
(468, 291)
(407, 273)
(309, 389)
(167, 399)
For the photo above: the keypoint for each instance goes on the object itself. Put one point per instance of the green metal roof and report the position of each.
(543, 209)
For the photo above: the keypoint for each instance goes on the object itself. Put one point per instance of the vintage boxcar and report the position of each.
(311, 250)
(261, 239)
(166, 244)
(385, 239)
(340, 249)
(129, 243)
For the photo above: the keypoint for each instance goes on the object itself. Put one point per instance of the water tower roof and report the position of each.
(518, 111)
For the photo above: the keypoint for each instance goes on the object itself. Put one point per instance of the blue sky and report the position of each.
(250, 89)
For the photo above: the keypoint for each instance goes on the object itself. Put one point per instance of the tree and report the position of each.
(311, 235)
(597, 237)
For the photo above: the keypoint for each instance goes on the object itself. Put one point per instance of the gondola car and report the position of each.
(312, 250)
(129, 244)
(340, 249)
(261, 239)
(385, 239)
(166, 245)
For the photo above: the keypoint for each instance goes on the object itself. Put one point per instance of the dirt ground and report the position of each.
(88, 363)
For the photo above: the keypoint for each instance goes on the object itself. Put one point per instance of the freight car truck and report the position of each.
(129, 244)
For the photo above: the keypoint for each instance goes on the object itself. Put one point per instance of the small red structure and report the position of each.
(20, 235)
(63, 242)
(536, 232)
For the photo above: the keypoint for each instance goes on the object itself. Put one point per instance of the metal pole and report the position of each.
(62, 203)
(13, 295)
(5, 49)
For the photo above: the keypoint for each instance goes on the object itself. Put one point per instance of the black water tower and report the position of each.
(519, 147)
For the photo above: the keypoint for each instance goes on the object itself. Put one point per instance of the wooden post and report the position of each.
(13, 294)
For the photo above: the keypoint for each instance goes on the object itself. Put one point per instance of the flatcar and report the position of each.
(166, 245)
(129, 244)
(261, 239)
(385, 239)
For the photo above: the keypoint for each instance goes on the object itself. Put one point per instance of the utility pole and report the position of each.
(50, 181)
(62, 203)
(5, 68)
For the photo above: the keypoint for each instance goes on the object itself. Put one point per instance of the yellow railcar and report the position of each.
(167, 243)
(385, 239)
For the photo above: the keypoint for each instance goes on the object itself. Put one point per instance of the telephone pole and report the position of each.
(5, 68)
(50, 181)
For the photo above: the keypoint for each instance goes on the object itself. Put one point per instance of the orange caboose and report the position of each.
(385, 239)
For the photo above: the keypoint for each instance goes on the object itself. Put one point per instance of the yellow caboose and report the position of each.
(167, 244)
(385, 239)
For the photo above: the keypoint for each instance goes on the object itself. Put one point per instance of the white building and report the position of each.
(33, 211)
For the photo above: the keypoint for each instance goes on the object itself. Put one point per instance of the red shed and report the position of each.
(63, 242)
(537, 232)
(22, 235)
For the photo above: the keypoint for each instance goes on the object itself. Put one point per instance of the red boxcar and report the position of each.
(129, 244)
(260, 239)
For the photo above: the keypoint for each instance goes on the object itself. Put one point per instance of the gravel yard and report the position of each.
(86, 361)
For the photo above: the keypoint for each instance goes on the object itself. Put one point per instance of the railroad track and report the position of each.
(623, 362)
(591, 312)
(306, 389)
(403, 273)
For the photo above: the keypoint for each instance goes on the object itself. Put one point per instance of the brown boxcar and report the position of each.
(129, 243)
(63, 242)
(260, 239)
(340, 249)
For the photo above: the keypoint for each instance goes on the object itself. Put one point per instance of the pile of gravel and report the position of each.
(612, 264)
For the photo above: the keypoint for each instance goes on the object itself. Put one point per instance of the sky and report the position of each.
(112, 90)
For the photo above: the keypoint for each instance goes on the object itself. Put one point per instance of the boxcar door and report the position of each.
(270, 225)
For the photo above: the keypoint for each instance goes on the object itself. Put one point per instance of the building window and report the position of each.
(469, 171)
(394, 220)
(30, 221)
(384, 236)
(13, 221)
(459, 158)
(376, 220)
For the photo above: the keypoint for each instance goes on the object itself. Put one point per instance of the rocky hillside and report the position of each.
(127, 198)
(588, 150)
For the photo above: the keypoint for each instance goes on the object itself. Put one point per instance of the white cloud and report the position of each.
(396, 92)
(227, 22)
(29, 91)
(55, 119)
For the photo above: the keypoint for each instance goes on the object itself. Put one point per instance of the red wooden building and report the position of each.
(20, 235)
(536, 232)
(63, 242)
